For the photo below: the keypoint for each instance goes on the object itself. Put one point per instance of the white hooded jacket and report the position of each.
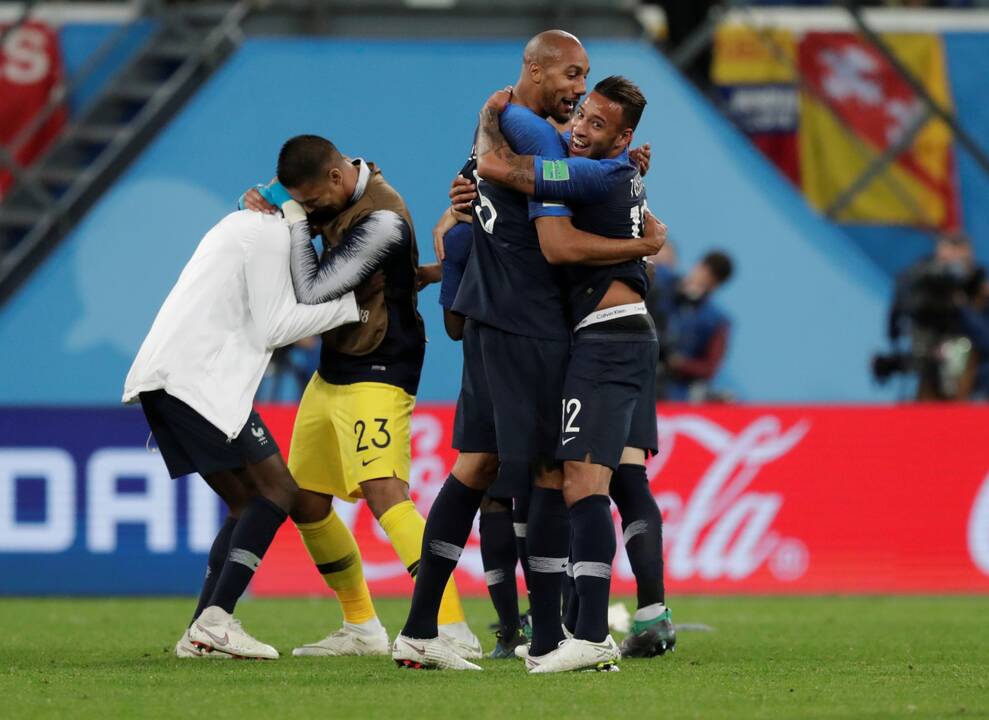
(232, 306)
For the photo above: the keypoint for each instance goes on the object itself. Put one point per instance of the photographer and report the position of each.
(935, 309)
(975, 324)
(693, 331)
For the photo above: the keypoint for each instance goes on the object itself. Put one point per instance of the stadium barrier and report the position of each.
(755, 500)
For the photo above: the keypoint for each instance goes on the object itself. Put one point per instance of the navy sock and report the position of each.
(642, 528)
(214, 563)
(520, 522)
(249, 542)
(593, 550)
(547, 543)
(571, 601)
(447, 529)
(499, 560)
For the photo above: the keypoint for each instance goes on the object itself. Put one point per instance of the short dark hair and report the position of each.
(304, 158)
(627, 94)
(720, 265)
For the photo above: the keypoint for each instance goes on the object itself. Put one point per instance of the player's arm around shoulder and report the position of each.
(577, 179)
(561, 243)
(358, 255)
(271, 297)
(507, 139)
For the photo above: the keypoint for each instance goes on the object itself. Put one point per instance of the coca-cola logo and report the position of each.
(978, 528)
(724, 530)
(720, 529)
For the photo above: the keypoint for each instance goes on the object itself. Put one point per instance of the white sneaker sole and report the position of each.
(310, 651)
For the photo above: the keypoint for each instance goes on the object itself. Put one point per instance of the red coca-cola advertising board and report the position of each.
(754, 500)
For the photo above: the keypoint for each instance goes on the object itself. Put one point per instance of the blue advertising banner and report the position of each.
(87, 508)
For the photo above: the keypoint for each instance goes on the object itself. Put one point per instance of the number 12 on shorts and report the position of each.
(571, 408)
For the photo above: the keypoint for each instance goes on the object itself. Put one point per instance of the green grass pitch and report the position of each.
(821, 657)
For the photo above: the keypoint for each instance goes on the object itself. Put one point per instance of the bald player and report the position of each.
(516, 346)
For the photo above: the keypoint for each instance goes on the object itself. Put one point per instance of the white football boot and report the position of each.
(184, 648)
(522, 651)
(433, 653)
(215, 630)
(574, 654)
(462, 640)
(368, 638)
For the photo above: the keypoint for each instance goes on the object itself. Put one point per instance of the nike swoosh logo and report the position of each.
(365, 463)
(221, 641)
(420, 650)
(564, 442)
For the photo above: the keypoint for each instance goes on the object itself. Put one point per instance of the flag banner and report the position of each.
(755, 73)
(853, 81)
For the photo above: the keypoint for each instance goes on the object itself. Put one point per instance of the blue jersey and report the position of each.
(456, 247)
(507, 283)
(608, 198)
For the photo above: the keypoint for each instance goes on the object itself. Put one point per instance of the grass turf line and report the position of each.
(767, 658)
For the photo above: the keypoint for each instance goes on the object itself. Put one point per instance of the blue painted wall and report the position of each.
(79, 42)
(968, 73)
(807, 303)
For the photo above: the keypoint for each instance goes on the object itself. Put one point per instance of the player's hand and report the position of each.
(440, 229)
(253, 200)
(369, 288)
(655, 234)
(499, 100)
(462, 193)
(426, 275)
(448, 219)
(641, 156)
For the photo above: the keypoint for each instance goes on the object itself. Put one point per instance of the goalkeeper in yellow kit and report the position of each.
(352, 433)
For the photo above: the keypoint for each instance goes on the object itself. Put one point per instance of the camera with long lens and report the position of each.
(938, 351)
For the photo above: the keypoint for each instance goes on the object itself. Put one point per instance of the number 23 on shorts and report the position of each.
(377, 435)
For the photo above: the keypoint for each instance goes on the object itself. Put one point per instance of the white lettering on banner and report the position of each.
(55, 468)
(978, 528)
(721, 531)
(25, 56)
(204, 514)
(107, 508)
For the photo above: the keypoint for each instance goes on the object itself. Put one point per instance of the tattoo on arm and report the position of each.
(517, 170)
(490, 139)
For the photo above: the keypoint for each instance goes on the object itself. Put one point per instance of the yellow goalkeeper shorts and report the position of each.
(347, 434)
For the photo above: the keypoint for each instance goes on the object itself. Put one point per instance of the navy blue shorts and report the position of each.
(605, 404)
(643, 433)
(510, 393)
(189, 443)
(514, 481)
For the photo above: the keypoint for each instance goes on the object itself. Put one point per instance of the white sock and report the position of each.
(649, 612)
(370, 627)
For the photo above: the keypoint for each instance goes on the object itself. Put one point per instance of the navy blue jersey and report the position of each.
(608, 198)
(508, 284)
(456, 251)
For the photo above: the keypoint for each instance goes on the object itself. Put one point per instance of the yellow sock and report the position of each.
(333, 549)
(404, 526)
